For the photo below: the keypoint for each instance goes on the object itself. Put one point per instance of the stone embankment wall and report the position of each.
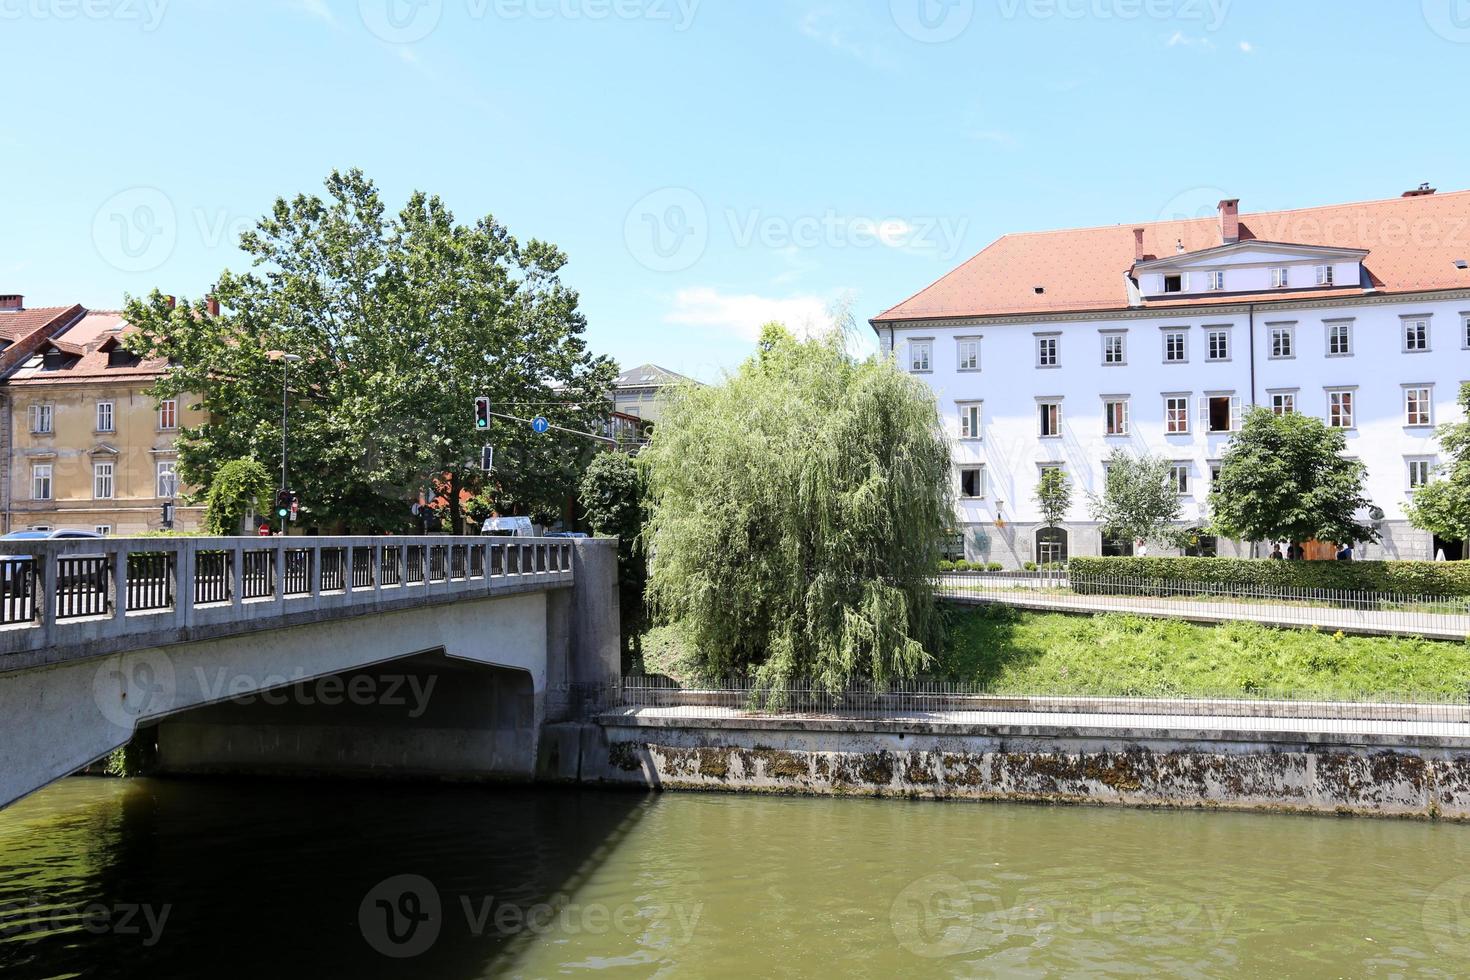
(1403, 776)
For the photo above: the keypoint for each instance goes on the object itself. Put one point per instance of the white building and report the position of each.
(1053, 348)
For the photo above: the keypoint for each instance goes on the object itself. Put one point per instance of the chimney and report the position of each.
(1423, 190)
(211, 305)
(12, 301)
(1138, 244)
(1230, 221)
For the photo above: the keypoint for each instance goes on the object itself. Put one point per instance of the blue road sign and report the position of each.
(540, 426)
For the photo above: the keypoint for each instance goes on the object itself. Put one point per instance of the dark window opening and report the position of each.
(1115, 548)
(1173, 284)
(1220, 414)
(972, 483)
(1202, 545)
(52, 359)
(1051, 545)
(119, 357)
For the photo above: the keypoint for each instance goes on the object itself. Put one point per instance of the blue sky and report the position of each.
(706, 164)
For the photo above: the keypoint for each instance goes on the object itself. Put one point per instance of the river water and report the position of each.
(155, 879)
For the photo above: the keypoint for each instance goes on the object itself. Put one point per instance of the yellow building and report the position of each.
(89, 448)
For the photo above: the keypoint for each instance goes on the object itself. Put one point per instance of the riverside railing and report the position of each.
(938, 701)
(1382, 613)
(81, 591)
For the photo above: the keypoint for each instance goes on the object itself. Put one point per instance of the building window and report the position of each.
(969, 354)
(1219, 345)
(1115, 416)
(1220, 413)
(1175, 282)
(1283, 402)
(1115, 350)
(1176, 347)
(41, 481)
(1419, 472)
(1324, 275)
(1283, 341)
(921, 356)
(1280, 277)
(1049, 418)
(102, 485)
(1179, 476)
(1340, 409)
(104, 416)
(42, 419)
(102, 529)
(1214, 471)
(1215, 281)
(1046, 352)
(1176, 414)
(1418, 404)
(1416, 335)
(970, 421)
(168, 414)
(972, 481)
(1340, 338)
(1465, 332)
(168, 480)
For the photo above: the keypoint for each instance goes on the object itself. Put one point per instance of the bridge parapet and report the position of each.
(69, 599)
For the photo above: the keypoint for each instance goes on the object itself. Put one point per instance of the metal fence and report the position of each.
(937, 701)
(1387, 613)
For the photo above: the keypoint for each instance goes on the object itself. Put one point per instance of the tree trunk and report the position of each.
(456, 511)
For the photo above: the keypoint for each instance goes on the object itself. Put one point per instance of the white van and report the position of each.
(510, 527)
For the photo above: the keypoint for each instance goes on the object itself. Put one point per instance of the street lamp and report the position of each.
(286, 361)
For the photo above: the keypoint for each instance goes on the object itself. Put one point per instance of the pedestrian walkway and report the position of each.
(1372, 622)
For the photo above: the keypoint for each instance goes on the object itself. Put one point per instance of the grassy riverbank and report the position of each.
(1011, 652)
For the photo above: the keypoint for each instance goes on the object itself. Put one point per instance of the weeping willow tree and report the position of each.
(796, 515)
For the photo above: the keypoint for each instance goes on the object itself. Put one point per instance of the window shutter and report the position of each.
(1204, 414)
(1234, 413)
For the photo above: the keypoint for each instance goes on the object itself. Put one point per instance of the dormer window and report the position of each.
(1324, 275)
(1174, 282)
(51, 360)
(1280, 277)
(1215, 281)
(120, 357)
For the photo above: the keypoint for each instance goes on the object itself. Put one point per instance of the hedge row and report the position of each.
(1397, 577)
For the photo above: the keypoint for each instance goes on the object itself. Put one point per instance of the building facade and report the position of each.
(1054, 349)
(636, 392)
(88, 447)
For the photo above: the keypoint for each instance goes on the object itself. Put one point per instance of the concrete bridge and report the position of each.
(438, 656)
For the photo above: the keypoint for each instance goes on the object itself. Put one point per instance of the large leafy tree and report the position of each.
(796, 515)
(1442, 506)
(1140, 500)
(400, 322)
(1288, 478)
(612, 495)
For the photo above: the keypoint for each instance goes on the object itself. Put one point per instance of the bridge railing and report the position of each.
(64, 591)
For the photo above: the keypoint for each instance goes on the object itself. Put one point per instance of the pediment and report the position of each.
(1251, 253)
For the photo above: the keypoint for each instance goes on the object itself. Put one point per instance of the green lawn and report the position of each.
(1007, 651)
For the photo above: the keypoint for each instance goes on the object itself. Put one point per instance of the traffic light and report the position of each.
(482, 413)
(487, 459)
(284, 500)
(168, 516)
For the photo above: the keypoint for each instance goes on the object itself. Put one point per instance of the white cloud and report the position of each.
(1179, 39)
(827, 26)
(1247, 47)
(742, 315)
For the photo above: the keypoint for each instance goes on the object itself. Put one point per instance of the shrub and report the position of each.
(1030, 566)
(1396, 577)
(948, 566)
(995, 566)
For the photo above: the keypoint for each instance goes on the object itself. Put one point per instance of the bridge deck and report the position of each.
(63, 600)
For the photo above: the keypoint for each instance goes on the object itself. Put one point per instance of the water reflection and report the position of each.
(165, 879)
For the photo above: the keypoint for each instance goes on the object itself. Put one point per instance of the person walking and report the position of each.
(1276, 554)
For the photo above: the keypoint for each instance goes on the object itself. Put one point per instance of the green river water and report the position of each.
(154, 879)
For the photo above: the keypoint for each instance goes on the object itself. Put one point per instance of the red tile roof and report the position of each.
(83, 342)
(15, 324)
(1412, 242)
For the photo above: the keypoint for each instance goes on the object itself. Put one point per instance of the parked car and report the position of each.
(17, 565)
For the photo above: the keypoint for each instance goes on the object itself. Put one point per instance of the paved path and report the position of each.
(1053, 724)
(1374, 622)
